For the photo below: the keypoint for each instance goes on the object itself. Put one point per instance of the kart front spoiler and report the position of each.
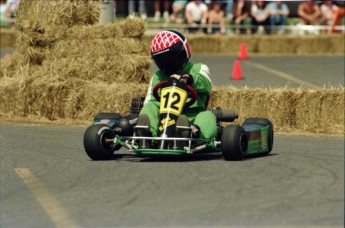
(131, 144)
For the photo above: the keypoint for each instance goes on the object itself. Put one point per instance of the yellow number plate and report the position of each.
(172, 100)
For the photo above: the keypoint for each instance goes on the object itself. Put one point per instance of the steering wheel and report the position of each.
(190, 90)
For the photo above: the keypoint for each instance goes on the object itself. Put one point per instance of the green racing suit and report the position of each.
(196, 113)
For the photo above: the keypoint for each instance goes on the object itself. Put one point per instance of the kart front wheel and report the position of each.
(234, 142)
(98, 142)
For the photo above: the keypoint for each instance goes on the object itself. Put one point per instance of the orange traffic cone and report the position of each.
(243, 52)
(237, 72)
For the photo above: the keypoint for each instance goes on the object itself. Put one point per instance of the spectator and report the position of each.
(216, 17)
(229, 5)
(11, 9)
(142, 8)
(278, 12)
(336, 20)
(178, 9)
(158, 11)
(241, 14)
(309, 13)
(196, 14)
(327, 11)
(259, 13)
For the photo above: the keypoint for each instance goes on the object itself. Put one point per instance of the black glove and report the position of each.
(187, 79)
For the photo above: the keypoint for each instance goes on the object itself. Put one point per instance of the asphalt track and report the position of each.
(46, 179)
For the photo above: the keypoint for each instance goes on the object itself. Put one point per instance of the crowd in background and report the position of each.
(213, 16)
(256, 16)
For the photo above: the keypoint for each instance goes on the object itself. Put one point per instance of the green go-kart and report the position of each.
(111, 131)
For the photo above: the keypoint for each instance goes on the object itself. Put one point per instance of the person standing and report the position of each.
(158, 11)
(141, 8)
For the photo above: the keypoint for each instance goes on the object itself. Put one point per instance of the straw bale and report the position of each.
(277, 44)
(41, 37)
(8, 37)
(316, 111)
(91, 32)
(337, 44)
(204, 44)
(95, 48)
(89, 99)
(312, 45)
(232, 44)
(40, 14)
(115, 68)
(133, 27)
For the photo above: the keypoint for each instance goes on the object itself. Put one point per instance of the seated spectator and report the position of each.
(327, 10)
(229, 6)
(336, 20)
(309, 13)
(241, 14)
(142, 8)
(278, 12)
(260, 14)
(178, 8)
(216, 17)
(158, 11)
(196, 15)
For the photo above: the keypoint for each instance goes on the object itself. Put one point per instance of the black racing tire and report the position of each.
(263, 121)
(234, 142)
(94, 142)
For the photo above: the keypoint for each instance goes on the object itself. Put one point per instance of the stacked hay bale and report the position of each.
(68, 66)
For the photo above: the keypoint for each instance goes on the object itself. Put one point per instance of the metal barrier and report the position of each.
(287, 29)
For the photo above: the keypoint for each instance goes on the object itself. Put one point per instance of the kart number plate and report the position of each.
(172, 100)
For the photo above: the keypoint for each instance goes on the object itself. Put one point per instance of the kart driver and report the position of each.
(170, 52)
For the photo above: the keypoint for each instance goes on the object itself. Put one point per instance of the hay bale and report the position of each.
(92, 32)
(337, 44)
(38, 15)
(316, 111)
(58, 73)
(204, 44)
(277, 44)
(83, 104)
(133, 27)
(8, 37)
(232, 45)
(313, 45)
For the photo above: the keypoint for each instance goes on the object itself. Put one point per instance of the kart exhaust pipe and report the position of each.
(226, 115)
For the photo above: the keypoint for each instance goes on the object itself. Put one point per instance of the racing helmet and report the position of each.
(170, 51)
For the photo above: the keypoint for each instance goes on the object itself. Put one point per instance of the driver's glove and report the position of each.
(187, 79)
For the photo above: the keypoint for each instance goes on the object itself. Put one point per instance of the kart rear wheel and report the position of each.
(97, 142)
(234, 142)
(264, 122)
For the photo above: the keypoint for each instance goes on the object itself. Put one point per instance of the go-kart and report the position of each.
(112, 131)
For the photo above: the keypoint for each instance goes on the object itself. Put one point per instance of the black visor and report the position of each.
(171, 60)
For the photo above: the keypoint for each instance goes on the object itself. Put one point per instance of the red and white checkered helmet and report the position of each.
(170, 51)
